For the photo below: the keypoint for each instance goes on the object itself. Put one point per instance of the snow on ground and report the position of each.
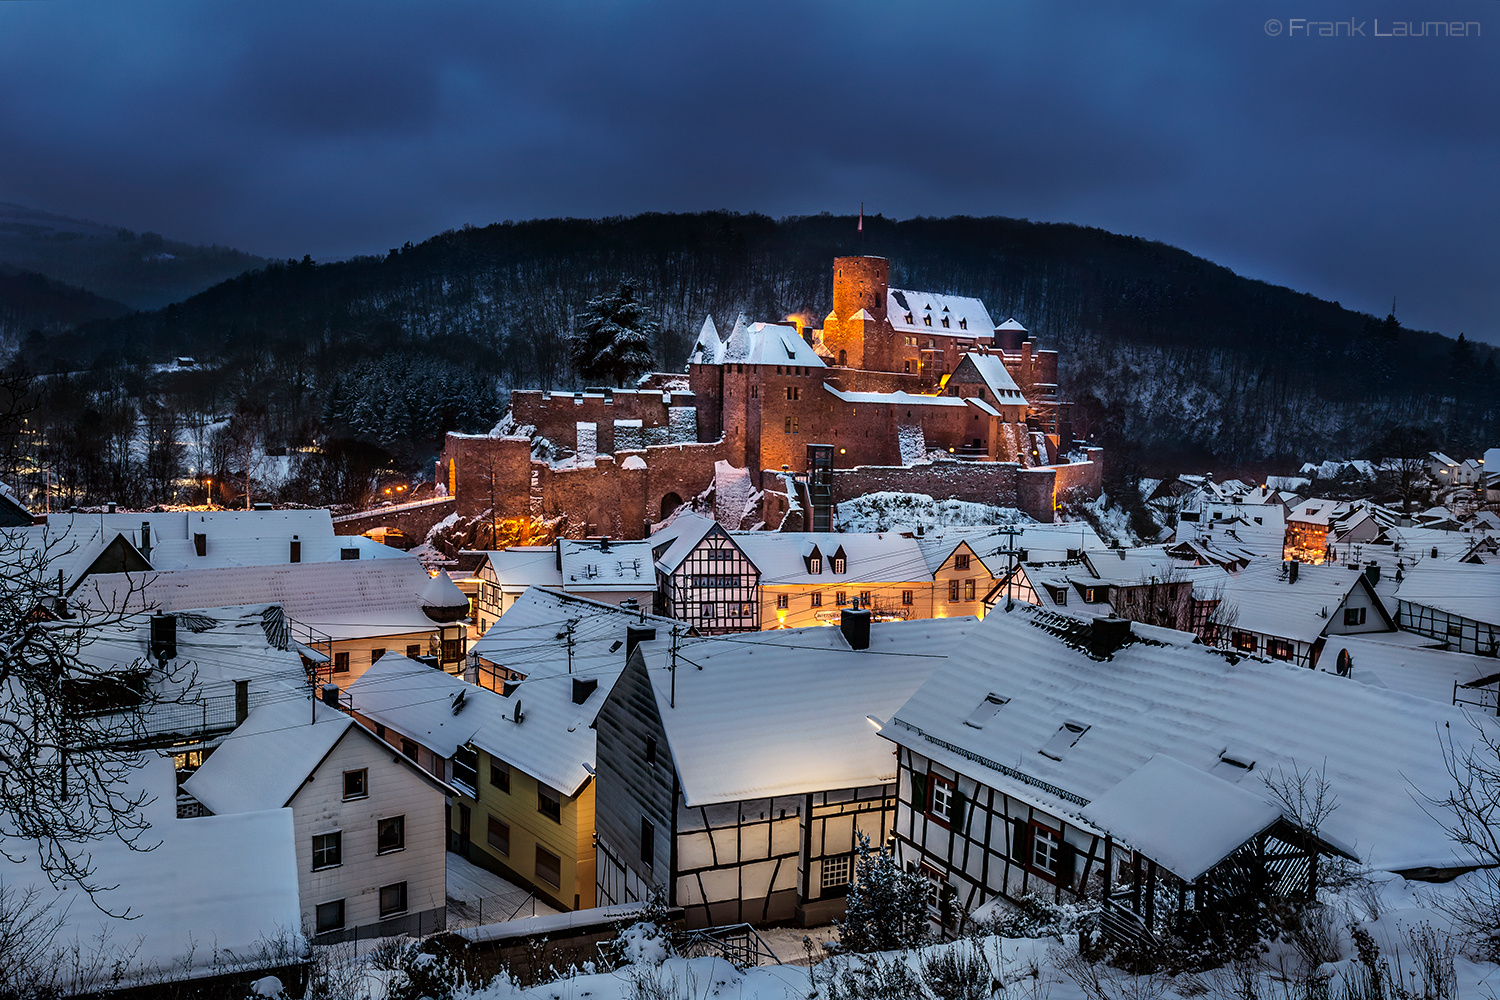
(890, 511)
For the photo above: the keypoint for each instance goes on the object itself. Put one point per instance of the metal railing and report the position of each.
(737, 944)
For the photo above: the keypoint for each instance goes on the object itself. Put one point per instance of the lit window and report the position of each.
(817, 600)
(1244, 641)
(815, 566)
(968, 590)
(708, 609)
(392, 899)
(327, 850)
(840, 598)
(791, 425)
(356, 784)
(390, 835)
(836, 872)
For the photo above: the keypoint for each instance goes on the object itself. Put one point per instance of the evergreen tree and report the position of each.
(886, 908)
(614, 337)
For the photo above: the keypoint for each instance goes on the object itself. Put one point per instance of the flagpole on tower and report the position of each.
(861, 227)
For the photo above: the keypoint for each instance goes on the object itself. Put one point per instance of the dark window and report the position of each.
(390, 835)
(782, 600)
(1354, 616)
(548, 867)
(815, 566)
(452, 650)
(549, 802)
(392, 899)
(906, 597)
(500, 775)
(356, 784)
(708, 609)
(651, 750)
(952, 590)
(1046, 847)
(376, 654)
(864, 598)
(330, 916)
(648, 842)
(466, 768)
(961, 561)
(499, 836)
(327, 850)
(341, 663)
(413, 650)
(409, 748)
(348, 553)
(817, 600)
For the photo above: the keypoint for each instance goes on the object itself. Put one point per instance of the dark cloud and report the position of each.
(1354, 168)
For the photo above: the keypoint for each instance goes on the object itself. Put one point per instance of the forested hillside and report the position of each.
(1171, 357)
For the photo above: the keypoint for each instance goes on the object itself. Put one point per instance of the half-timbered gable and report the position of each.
(1036, 715)
(739, 779)
(704, 577)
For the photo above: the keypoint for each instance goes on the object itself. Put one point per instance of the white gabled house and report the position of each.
(1456, 603)
(705, 579)
(1011, 750)
(369, 824)
(1286, 611)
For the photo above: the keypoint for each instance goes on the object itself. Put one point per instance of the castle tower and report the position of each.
(856, 333)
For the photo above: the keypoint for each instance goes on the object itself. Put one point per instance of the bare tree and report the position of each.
(72, 725)
(1470, 813)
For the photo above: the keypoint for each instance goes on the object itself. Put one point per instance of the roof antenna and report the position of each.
(672, 697)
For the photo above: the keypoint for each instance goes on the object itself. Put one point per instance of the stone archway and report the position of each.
(669, 503)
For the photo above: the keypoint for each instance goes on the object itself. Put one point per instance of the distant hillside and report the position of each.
(1165, 352)
(144, 271)
(31, 301)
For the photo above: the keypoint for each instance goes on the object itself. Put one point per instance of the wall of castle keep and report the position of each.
(556, 415)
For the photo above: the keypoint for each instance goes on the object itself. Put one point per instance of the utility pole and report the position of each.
(672, 696)
(1010, 554)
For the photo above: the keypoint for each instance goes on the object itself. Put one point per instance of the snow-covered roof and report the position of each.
(967, 317)
(1195, 704)
(1416, 670)
(344, 600)
(1267, 602)
(522, 566)
(269, 756)
(768, 344)
(214, 888)
(869, 557)
(680, 537)
(708, 349)
(894, 398)
(760, 714)
(1011, 324)
(596, 565)
(1464, 589)
(1267, 539)
(991, 370)
(1183, 818)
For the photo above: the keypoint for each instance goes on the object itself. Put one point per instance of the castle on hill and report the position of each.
(898, 390)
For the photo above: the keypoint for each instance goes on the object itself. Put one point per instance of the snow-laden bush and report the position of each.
(886, 908)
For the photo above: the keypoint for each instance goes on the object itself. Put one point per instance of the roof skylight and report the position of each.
(1067, 734)
(986, 710)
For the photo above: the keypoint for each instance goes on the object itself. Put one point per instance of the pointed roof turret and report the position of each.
(442, 601)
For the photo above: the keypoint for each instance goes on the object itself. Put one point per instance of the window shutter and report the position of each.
(1067, 858)
(919, 791)
(1020, 840)
(956, 811)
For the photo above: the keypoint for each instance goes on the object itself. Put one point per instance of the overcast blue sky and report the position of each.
(1355, 168)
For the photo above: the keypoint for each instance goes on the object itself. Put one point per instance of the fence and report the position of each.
(483, 910)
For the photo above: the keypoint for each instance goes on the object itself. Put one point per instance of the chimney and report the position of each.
(264, 505)
(855, 624)
(1372, 573)
(1291, 572)
(634, 636)
(111, 506)
(296, 549)
(582, 688)
(146, 540)
(604, 544)
(163, 637)
(1107, 635)
(241, 701)
(331, 695)
(200, 543)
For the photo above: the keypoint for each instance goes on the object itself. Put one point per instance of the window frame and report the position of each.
(500, 767)
(318, 926)
(537, 868)
(364, 784)
(1054, 853)
(549, 802)
(400, 890)
(338, 850)
(648, 842)
(1354, 616)
(950, 790)
(907, 598)
(961, 561)
(398, 824)
(836, 863)
(491, 822)
(341, 662)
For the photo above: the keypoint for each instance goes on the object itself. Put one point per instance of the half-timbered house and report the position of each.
(703, 578)
(735, 772)
(1036, 715)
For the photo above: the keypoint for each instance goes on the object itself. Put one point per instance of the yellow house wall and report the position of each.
(572, 839)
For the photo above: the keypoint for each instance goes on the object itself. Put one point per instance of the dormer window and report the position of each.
(815, 566)
(963, 324)
(838, 564)
(927, 320)
(909, 320)
(945, 322)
